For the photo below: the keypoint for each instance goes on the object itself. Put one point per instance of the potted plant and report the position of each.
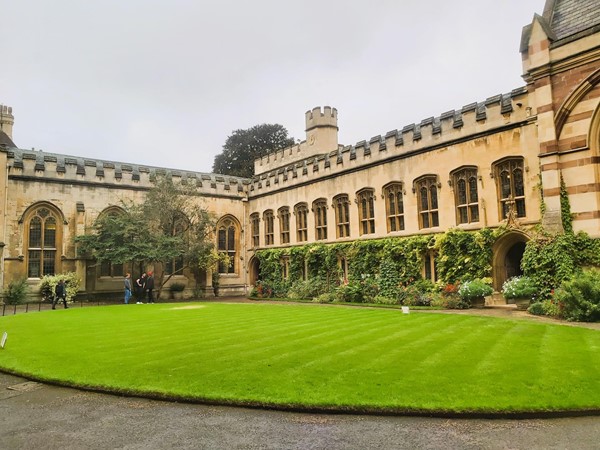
(177, 290)
(519, 291)
(474, 292)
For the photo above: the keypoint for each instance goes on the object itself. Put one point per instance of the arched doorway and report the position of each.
(507, 255)
(254, 270)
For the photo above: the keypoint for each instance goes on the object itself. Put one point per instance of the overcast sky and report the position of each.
(163, 83)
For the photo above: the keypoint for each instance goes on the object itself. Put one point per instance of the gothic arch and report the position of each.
(507, 253)
(253, 270)
(42, 230)
(573, 99)
(229, 241)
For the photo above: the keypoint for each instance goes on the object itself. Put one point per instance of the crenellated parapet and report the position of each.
(7, 120)
(321, 137)
(32, 165)
(288, 167)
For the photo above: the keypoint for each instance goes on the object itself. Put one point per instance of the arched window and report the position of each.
(43, 237)
(366, 211)
(320, 212)
(284, 224)
(341, 204)
(427, 199)
(301, 212)
(255, 225)
(394, 206)
(510, 186)
(268, 219)
(227, 243)
(466, 195)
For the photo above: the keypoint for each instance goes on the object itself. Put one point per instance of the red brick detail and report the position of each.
(572, 142)
(586, 215)
(564, 83)
(570, 164)
(580, 116)
(545, 108)
(548, 147)
(551, 166)
(541, 82)
(573, 190)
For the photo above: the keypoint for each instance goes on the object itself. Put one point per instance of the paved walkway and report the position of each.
(38, 416)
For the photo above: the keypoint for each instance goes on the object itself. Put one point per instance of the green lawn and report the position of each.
(311, 355)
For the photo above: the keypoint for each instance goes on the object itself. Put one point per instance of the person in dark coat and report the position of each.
(150, 287)
(60, 294)
(140, 288)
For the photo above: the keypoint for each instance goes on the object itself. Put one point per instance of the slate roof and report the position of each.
(5, 141)
(570, 17)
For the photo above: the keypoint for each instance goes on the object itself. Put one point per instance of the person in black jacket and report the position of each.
(60, 294)
(140, 288)
(150, 287)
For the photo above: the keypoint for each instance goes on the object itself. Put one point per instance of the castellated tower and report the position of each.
(7, 120)
(321, 130)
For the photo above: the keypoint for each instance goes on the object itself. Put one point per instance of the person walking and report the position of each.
(140, 288)
(127, 283)
(60, 293)
(150, 287)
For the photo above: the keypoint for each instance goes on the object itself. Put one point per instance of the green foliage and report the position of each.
(536, 308)
(465, 255)
(519, 287)
(171, 223)
(242, 147)
(549, 260)
(49, 282)
(477, 288)
(17, 291)
(580, 297)
(304, 289)
(389, 278)
(565, 208)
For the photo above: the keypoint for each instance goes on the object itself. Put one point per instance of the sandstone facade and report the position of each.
(494, 162)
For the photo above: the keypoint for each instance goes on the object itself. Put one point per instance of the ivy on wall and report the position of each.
(460, 255)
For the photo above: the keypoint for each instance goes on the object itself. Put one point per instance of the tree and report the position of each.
(170, 225)
(244, 146)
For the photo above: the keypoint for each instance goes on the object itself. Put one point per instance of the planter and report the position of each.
(521, 302)
(478, 302)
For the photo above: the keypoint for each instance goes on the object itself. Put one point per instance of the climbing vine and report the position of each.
(565, 207)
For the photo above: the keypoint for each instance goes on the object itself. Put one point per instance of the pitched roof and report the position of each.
(5, 141)
(570, 17)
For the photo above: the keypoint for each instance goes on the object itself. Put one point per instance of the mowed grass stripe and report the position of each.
(311, 355)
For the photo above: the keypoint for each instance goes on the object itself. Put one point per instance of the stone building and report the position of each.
(484, 164)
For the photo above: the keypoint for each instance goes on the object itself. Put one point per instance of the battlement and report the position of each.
(316, 118)
(297, 164)
(7, 120)
(52, 167)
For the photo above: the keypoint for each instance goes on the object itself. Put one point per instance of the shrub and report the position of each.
(384, 300)
(474, 289)
(580, 297)
(327, 297)
(49, 282)
(303, 289)
(519, 287)
(17, 291)
(536, 308)
(552, 308)
(455, 302)
(177, 287)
